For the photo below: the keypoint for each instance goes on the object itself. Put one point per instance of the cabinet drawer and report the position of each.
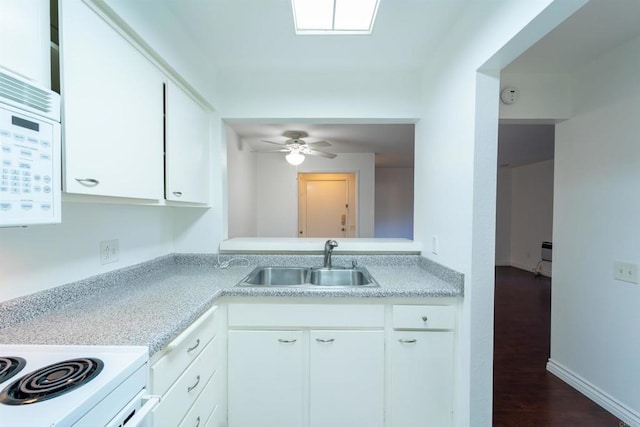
(182, 351)
(424, 317)
(306, 315)
(177, 401)
(216, 419)
(204, 406)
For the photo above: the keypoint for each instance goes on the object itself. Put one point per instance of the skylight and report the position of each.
(334, 16)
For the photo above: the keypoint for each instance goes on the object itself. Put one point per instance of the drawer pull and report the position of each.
(425, 318)
(198, 421)
(325, 340)
(189, 350)
(195, 385)
(408, 341)
(177, 193)
(89, 182)
(287, 341)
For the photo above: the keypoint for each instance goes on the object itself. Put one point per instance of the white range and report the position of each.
(44, 385)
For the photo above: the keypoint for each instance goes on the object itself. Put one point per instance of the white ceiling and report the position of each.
(259, 35)
(597, 27)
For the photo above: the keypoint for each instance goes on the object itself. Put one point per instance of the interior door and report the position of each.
(324, 205)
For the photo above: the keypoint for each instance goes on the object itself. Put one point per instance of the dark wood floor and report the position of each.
(525, 394)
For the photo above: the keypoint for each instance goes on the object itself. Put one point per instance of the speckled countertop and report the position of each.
(151, 303)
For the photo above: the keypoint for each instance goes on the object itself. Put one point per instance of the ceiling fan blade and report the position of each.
(271, 142)
(319, 144)
(320, 153)
(284, 150)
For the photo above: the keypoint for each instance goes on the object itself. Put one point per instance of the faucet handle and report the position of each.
(354, 263)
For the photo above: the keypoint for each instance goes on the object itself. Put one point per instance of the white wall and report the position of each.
(524, 217)
(242, 182)
(456, 151)
(594, 331)
(503, 217)
(543, 96)
(348, 95)
(394, 202)
(531, 213)
(277, 191)
(45, 256)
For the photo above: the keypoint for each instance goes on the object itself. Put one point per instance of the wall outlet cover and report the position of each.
(625, 271)
(109, 251)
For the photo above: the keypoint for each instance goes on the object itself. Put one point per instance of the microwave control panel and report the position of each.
(30, 185)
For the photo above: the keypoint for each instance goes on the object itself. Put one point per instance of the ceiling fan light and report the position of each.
(294, 158)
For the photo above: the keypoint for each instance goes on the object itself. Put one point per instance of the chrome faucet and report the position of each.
(328, 250)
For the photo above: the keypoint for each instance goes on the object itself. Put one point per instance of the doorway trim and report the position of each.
(351, 209)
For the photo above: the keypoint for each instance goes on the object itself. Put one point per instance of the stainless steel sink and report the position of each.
(341, 277)
(277, 276)
(310, 277)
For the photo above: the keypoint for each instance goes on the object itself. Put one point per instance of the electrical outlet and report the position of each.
(625, 271)
(109, 251)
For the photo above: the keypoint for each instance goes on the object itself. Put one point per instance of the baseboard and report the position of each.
(503, 263)
(603, 399)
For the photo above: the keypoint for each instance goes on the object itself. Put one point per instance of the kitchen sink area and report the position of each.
(309, 277)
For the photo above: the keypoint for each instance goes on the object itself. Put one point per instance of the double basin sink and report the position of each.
(347, 277)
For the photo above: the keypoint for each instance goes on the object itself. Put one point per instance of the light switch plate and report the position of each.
(625, 271)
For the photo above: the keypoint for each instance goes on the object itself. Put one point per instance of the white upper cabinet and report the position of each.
(24, 39)
(112, 110)
(187, 147)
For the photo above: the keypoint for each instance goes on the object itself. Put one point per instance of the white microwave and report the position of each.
(30, 153)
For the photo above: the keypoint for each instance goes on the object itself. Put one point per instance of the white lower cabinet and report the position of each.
(340, 365)
(421, 379)
(185, 376)
(266, 378)
(318, 366)
(346, 378)
(421, 353)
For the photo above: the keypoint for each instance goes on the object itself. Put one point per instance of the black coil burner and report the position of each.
(51, 381)
(9, 366)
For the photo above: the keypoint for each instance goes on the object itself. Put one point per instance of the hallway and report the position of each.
(525, 394)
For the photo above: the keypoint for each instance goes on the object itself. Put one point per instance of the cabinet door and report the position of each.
(24, 39)
(187, 148)
(112, 110)
(346, 378)
(421, 379)
(266, 377)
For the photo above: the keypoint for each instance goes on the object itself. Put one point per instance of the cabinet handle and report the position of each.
(195, 385)
(89, 182)
(190, 349)
(198, 421)
(325, 340)
(287, 341)
(177, 193)
(425, 318)
(408, 341)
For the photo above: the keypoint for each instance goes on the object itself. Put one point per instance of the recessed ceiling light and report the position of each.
(334, 16)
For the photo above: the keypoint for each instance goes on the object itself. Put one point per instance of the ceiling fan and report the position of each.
(297, 147)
